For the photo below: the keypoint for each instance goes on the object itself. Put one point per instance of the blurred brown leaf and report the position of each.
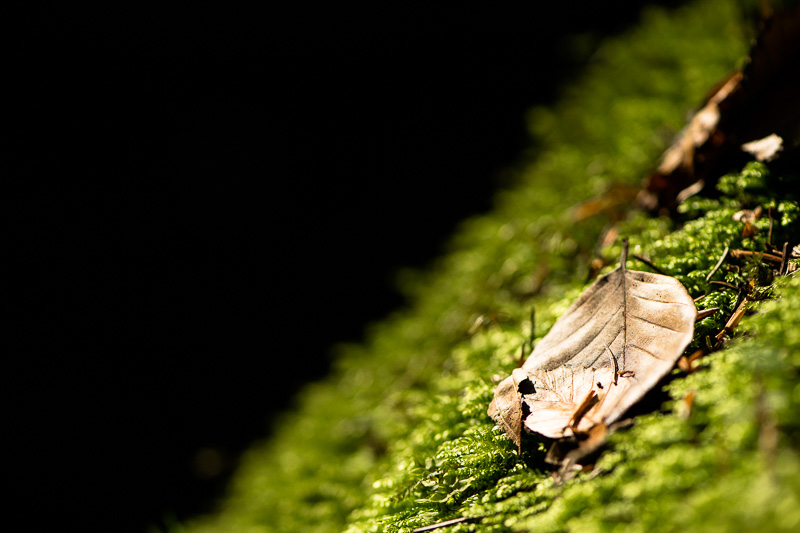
(757, 104)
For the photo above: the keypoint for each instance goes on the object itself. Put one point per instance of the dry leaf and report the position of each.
(613, 344)
(506, 407)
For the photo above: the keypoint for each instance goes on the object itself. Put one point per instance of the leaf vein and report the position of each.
(657, 300)
(655, 323)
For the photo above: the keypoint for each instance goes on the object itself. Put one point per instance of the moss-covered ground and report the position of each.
(398, 436)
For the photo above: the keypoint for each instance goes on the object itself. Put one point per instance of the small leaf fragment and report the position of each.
(765, 149)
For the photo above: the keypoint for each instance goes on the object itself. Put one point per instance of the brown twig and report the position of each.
(733, 321)
(706, 313)
(719, 263)
(724, 284)
(650, 264)
(764, 255)
(587, 403)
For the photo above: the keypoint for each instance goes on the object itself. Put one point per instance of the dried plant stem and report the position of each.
(733, 321)
(706, 313)
(719, 263)
(724, 284)
(650, 264)
(772, 258)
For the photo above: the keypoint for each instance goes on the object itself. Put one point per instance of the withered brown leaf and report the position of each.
(621, 337)
(755, 104)
(506, 407)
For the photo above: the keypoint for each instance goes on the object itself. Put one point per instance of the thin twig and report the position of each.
(706, 313)
(734, 320)
(724, 284)
(765, 256)
(650, 264)
(446, 523)
(719, 263)
(583, 408)
(785, 259)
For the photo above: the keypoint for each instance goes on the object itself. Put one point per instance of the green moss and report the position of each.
(398, 436)
(746, 187)
(730, 465)
(666, 472)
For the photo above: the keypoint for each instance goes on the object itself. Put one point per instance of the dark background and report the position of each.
(205, 201)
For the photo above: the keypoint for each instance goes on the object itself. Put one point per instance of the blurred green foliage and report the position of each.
(398, 437)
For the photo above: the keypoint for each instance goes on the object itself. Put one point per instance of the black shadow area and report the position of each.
(205, 201)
